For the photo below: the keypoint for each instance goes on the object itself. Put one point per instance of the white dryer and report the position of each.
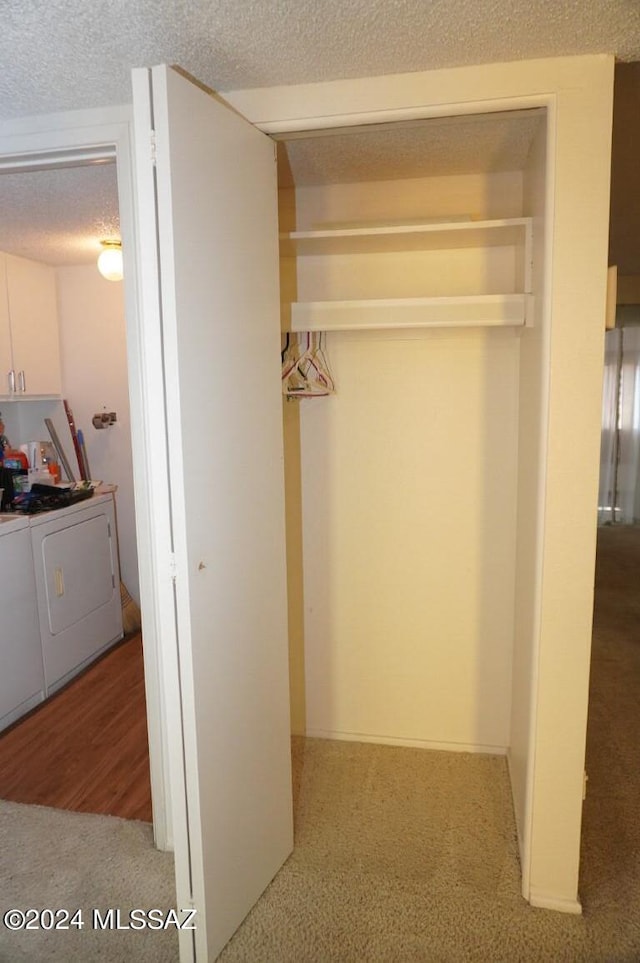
(75, 554)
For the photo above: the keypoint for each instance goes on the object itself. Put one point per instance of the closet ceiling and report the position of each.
(446, 145)
(70, 54)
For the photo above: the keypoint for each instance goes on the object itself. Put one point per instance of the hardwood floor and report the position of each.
(86, 748)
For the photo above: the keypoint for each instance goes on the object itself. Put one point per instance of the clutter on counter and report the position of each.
(30, 473)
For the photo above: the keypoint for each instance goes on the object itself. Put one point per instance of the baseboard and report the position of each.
(557, 903)
(411, 743)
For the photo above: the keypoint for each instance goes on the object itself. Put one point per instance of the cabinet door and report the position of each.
(34, 326)
(22, 675)
(215, 221)
(5, 337)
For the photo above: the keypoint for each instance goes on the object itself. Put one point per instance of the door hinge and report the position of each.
(585, 780)
(152, 139)
(173, 569)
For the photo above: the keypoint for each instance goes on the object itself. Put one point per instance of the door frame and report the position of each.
(289, 127)
(57, 140)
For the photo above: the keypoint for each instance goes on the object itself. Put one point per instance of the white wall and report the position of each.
(408, 482)
(95, 379)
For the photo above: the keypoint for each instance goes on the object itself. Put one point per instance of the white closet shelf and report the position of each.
(484, 310)
(408, 237)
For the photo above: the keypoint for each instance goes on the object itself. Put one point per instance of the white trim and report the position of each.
(395, 115)
(549, 902)
(410, 743)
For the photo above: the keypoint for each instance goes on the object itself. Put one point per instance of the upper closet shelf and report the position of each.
(408, 237)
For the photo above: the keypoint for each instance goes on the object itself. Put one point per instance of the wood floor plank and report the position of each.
(86, 748)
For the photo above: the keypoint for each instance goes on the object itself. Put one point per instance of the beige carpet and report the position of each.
(55, 859)
(401, 855)
(610, 867)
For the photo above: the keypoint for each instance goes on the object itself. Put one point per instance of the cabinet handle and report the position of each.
(22, 382)
(11, 378)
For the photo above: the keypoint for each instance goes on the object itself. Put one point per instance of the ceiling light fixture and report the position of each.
(110, 260)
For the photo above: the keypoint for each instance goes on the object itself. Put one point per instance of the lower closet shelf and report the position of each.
(486, 310)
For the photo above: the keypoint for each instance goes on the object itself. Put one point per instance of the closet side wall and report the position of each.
(531, 465)
(408, 482)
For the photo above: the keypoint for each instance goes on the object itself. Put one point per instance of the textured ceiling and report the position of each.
(71, 54)
(65, 54)
(60, 216)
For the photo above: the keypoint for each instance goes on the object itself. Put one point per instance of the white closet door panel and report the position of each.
(218, 259)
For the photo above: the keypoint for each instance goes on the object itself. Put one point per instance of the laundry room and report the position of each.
(65, 410)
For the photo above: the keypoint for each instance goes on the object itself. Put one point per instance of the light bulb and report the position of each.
(110, 261)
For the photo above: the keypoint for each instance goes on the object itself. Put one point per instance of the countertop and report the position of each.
(15, 521)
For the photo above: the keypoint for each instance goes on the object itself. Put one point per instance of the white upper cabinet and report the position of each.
(6, 360)
(29, 338)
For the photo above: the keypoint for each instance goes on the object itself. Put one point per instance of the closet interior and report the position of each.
(417, 250)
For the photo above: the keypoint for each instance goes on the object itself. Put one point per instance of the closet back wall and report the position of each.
(403, 496)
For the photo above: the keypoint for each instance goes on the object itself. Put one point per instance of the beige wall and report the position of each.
(408, 481)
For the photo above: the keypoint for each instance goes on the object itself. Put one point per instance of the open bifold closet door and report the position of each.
(207, 205)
